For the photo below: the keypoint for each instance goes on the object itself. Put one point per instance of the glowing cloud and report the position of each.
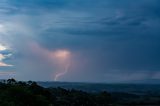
(2, 48)
(63, 56)
(3, 57)
(5, 65)
(60, 57)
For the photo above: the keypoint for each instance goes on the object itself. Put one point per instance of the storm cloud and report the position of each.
(110, 40)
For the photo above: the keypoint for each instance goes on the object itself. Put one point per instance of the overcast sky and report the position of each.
(103, 40)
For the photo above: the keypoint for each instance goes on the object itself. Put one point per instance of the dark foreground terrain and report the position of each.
(17, 93)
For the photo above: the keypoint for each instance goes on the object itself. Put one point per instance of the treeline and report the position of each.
(18, 93)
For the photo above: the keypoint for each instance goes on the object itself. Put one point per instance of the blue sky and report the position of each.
(104, 40)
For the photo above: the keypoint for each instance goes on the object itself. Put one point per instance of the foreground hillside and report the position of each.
(17, 93)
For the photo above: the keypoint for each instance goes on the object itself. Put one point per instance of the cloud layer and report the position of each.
(106, 38)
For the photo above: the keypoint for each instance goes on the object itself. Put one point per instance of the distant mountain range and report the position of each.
(98, 87)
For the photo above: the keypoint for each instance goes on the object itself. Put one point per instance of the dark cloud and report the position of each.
(107, 37)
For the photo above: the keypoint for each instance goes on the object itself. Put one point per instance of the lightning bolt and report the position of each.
(57, 76)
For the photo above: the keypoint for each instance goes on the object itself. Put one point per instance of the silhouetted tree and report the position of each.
(11, 81)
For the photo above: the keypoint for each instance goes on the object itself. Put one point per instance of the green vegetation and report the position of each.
(13, 93)
(18, 93)
(24, 94)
